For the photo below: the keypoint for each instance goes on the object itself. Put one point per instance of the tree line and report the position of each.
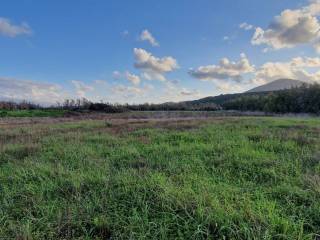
(304, 99)
(83, 104)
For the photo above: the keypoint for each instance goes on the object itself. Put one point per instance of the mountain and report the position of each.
(221, 99)
(277, 85)
(280, 84)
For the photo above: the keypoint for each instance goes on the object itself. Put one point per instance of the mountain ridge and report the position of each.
(277, 85)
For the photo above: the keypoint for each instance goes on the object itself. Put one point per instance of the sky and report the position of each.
(123, 51)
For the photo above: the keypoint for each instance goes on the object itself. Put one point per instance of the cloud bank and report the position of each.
(19, 90)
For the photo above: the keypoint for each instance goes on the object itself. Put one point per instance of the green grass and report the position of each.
(32, 113)
(232, 178)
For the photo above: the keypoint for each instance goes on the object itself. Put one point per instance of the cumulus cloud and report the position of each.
(8, 29)
(18, 90)
(101, 82)
(297, 68)
(225, 70)
(150, 75)
(147, 36)
(134, 79)
(81, 88)
(291, 27)
(131, 91)
(229, 76)
(186, 92)
(316, 46)
(230, 87)
(145, 60)
(126, 89)
(246, 26)
(116, 75)
(153, 67)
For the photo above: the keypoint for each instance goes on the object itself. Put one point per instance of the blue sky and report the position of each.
(153, 51)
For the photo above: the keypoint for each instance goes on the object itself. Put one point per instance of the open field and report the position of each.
(134, 177)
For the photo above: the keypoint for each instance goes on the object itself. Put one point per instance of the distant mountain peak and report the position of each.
(277, 85)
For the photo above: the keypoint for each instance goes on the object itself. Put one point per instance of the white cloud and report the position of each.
(10, 30)
(229, 76)
(226, 70)
(226, 38)
(126, 89)
(153, 67)
(230, 87)
(134, 79)
(172, 92)
(18, 90)
(291, 27)
(101, 82)
(128, 92)
(147, 36)
(116, 75)
(305, 62)
(150, 75)
(145, 60)
(297, 69)
(316, 46)
(246, 26)
(81, 88)
(186, 92)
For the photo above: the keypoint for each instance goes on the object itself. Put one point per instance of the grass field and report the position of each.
(33, 113)
(215, 178)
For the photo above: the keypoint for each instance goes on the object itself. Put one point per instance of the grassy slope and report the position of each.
(235, 178)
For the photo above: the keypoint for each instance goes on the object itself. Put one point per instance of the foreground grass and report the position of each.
(232, 178)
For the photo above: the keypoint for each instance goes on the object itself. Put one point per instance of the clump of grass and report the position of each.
(232, 178)
(108, 124)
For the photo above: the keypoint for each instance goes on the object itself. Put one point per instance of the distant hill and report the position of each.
(280, 84)
(277, 85)
(221, 99)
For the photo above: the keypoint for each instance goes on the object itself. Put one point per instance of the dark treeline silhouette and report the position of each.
(182, 106)
(86, 105)
(304, 99)
(24, 105)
